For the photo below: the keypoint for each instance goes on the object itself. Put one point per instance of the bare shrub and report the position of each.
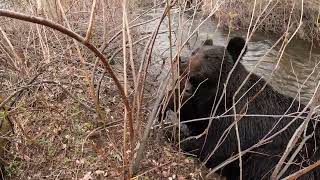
(237, 15)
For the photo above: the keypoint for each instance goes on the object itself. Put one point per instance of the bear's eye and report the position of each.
(206, 56)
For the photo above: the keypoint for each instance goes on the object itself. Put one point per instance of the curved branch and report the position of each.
(68, 32)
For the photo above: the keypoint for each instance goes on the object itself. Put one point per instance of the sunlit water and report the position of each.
(297, 71)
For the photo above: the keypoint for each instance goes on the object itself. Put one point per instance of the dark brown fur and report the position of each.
(209, 67)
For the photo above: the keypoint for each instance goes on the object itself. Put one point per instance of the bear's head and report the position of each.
(204, 66)
(208, 61)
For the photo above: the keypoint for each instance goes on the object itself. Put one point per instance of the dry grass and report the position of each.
(58, 132)
(236, 14)
(70, 120)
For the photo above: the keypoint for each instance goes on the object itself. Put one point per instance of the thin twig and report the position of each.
(303, 171)
(89, 30)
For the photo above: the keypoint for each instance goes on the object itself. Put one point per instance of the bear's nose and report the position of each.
(188, 88)
(188, 92)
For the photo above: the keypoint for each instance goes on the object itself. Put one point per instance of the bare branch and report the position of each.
(68, 32)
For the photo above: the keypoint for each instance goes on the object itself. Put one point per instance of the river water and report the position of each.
(297, 71)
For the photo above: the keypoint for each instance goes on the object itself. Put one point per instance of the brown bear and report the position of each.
(221, 87)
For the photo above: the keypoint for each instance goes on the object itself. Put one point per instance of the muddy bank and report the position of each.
(272, 16)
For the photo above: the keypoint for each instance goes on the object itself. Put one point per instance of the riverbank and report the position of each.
(271, 16)
(69, 118)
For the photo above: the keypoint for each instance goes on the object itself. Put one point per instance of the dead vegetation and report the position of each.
(72, 118)
(276, 16)
(69, 115)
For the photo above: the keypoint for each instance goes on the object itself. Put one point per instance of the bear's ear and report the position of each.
(208, 42)
(235, 47)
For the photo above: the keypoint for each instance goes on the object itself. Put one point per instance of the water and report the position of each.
(298, 69)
